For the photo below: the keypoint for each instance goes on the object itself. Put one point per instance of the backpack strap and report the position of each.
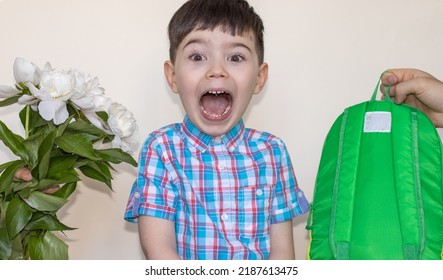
(410, 207)
(344, 188)
(409, 201)
(409, 193)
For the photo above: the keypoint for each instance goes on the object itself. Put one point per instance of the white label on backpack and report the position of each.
(377, 122)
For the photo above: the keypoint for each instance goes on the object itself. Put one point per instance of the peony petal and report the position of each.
(96, 121)
(46, 110)
(27, 100)
(53, 110)
(8, 91)
(84, 102)
(34, 91)
(24, 71)
(102, 103)
(61, 113)
(47, 67)
(118, 143)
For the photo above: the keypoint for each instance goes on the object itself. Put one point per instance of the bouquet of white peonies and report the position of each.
(70, 126)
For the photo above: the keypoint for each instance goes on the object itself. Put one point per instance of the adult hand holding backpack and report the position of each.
(416, 88)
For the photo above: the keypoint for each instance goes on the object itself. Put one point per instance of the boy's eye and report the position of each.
(197, 57)
(236, 58)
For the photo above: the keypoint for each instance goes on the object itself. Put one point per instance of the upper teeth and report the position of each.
(216, 92)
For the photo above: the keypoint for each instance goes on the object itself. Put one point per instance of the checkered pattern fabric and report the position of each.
(223, 193)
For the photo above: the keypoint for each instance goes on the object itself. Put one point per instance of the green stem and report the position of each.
(27, 121)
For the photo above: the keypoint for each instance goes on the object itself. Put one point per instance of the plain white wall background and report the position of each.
(323, 56)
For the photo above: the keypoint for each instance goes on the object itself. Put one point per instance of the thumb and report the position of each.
(23, 174)
(388, 78)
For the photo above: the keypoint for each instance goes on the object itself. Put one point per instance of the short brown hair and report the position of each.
(234, 16)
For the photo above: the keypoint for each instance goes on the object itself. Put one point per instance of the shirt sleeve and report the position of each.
(289, 200)
(152, 193)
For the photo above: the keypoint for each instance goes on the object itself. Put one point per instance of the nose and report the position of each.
(217, 71)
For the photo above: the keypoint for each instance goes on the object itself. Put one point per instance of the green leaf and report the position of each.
(76, 144)
(46, 183)
(95, 174)
(81, 162)
(46, 222)
(9, 101)
(5, 165)
(108, 139)
(66, 190)
(102, 167)
(66, 176)
(18, 215)
(18, 253)
(47, 247)
(102, 115)
(19, 185)
(13, 142)
(32, 144)
(3, 207)
(61, 163)
(5, 245)
(35, 120)
(44, 202)
(117, 156)
(63, 126)
(8, 175)
(83, 127)
(44, 155)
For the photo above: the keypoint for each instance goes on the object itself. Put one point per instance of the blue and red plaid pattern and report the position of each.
(223, 193)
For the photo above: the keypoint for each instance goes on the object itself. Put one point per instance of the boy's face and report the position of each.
(216, 75)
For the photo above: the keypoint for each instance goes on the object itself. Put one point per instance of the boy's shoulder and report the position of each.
(262, 137)
(169, 129)
(163, 135)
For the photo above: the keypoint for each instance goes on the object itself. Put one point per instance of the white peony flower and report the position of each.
(24, 71)
(100, 103)
(86, 90)
(51, 90)
(8, 91)
(122, 123)
(27, 72)
(56, 88)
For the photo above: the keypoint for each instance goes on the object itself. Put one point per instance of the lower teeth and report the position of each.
(216, 115)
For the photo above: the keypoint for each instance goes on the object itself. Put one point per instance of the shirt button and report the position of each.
(300, 194)
(259, 192)
(224, 217)
(221, 166)
(137, 195)
(217, 139)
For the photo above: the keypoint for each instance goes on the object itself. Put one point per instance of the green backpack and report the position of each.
(378, 192)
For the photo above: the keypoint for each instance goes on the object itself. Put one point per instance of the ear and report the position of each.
(169, 70)
(262, 78)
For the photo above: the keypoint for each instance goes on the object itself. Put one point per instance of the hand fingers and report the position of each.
(51, 190)
(389, 78)
(393, 76)
(23, 174)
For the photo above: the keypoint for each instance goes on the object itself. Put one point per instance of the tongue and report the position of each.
(214, 105)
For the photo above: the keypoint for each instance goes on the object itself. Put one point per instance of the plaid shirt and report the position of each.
(223, 193)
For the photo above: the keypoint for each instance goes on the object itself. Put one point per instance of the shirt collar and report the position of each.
(201, 141)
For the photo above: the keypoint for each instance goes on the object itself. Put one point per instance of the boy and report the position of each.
(209, 188)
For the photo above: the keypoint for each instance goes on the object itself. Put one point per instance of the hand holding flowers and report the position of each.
(70, 126)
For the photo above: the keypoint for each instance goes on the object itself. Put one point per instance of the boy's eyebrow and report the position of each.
(232, 45)
(193, 41)
(235, 45)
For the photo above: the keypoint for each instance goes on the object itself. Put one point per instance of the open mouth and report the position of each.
(216, 104)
